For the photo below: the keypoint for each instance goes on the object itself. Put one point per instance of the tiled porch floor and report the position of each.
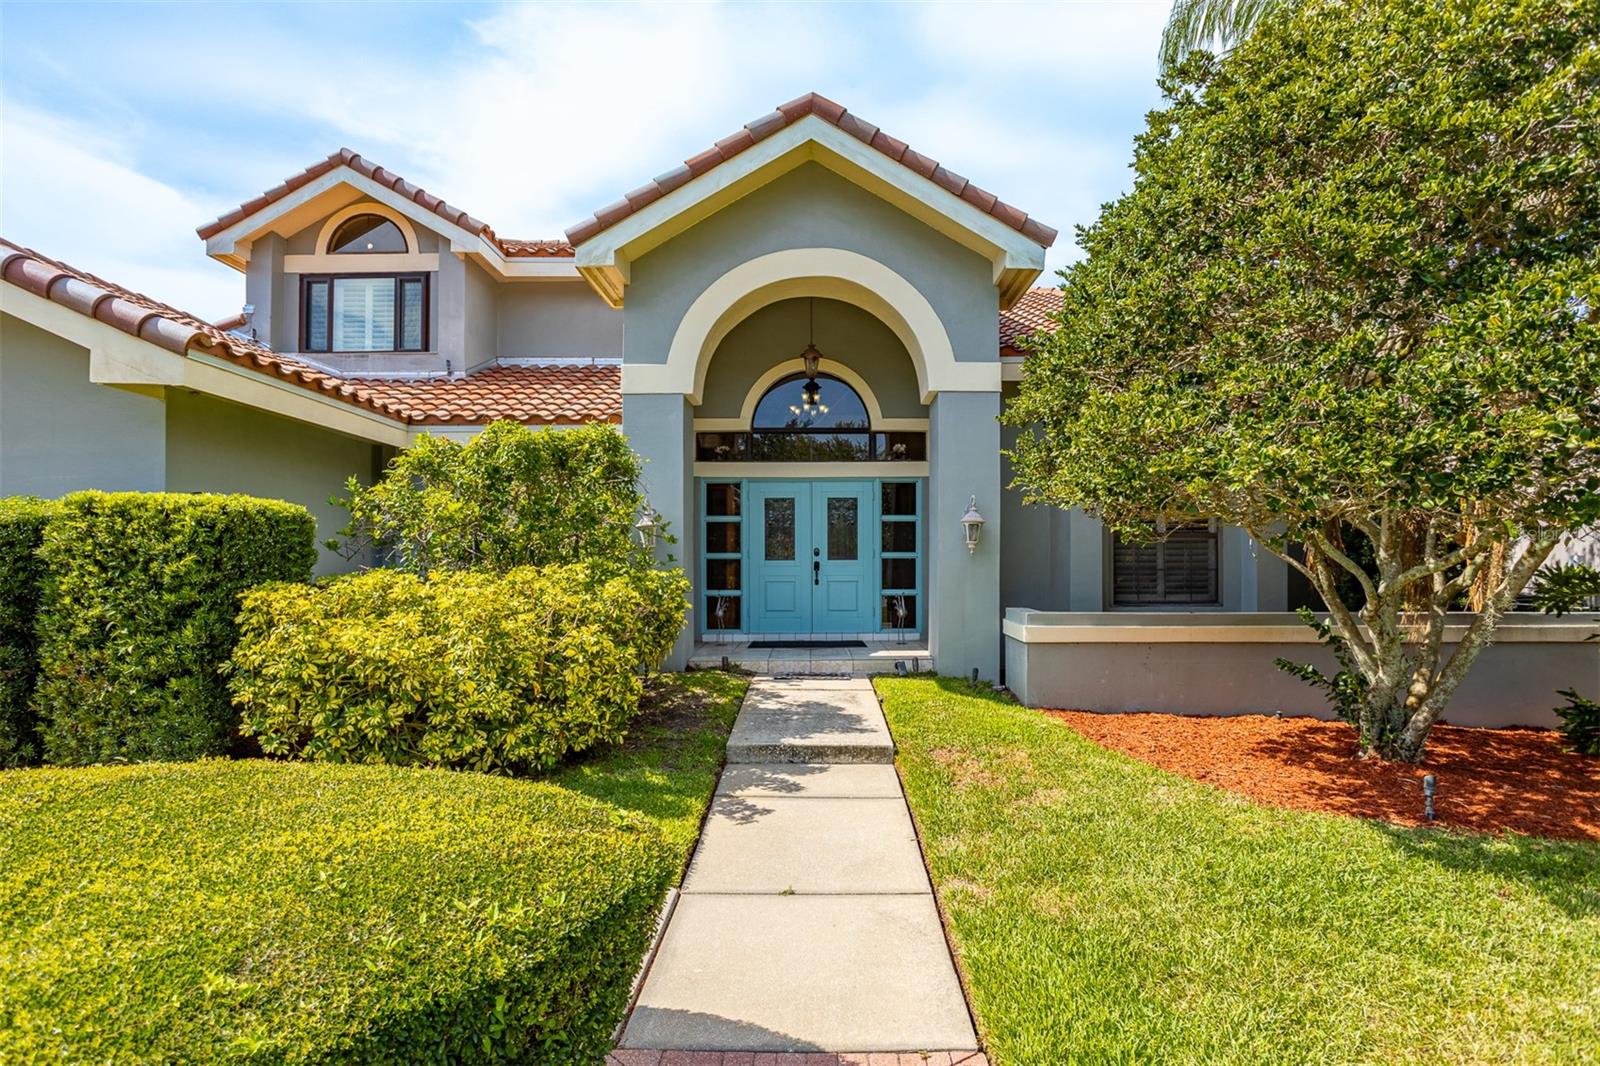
(875, 658)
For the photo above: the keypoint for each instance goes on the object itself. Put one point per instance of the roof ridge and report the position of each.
(835, 114)
(348, 157)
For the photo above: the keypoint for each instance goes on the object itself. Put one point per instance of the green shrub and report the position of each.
(265, 912)
(469, 669)
(22, 521)
(511, 496)
(137, 617)
(1580, 721)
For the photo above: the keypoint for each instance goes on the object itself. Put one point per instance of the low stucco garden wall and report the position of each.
(1199, 663)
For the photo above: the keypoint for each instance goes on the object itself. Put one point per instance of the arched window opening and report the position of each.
(367, 235)
(805, 419)
(796, 405)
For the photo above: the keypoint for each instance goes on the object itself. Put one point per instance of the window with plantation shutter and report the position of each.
(365, 313)
(1180, 569)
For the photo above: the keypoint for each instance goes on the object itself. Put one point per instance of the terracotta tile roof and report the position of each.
(536, 395)
(344, 157)
(785, 115)
(1027, 316)
(549, 394)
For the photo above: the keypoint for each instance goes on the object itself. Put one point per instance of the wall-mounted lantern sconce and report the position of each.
(647, 527)
(972, 525)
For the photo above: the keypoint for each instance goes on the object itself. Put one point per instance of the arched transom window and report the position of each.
(805, 419)
(367, 235)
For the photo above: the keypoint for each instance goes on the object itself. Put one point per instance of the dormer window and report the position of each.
(365, 312)
(367, 235)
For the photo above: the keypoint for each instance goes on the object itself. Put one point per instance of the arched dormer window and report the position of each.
(355, 311)
(811, 420)
(367, 235)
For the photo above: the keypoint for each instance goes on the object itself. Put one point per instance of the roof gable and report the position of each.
(809, 128)
(344, 177)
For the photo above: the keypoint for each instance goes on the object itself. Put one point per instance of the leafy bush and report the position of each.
(1346, 689)
(137, 616)
(1580, 721)
(468, 669)
(22, 521)
(511, 496)
(264, 912)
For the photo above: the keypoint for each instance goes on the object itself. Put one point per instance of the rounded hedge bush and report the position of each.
(468, 669)
(270, 912)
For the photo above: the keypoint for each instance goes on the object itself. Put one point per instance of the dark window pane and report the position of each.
(723, 575)
(899, 612)
(780, 528)
(366, 234)
(722, 612)
(721, 447)
(899, 497)
(722, 536)
(899, 536)
(899, 573)
(774, 447)
(411, 338)
(784, 406)
(722, 498)
(1180, 569)
(842, 527)
(911, 447)
(316, 316)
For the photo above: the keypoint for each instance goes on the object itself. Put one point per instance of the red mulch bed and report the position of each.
(1490, 780)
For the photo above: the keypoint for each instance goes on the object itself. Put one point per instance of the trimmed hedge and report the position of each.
(140, 595)
(493, 672)
(267, 912)
(22, 521)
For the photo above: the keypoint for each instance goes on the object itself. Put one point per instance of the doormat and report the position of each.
(768, 644)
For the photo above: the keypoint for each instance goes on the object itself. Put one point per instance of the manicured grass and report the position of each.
(290, 912)
(1104, 910)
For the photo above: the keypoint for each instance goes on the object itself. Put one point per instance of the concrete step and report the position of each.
(810, 721)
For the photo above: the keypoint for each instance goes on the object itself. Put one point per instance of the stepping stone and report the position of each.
(807, 844)
(802, 973)
(784, 722)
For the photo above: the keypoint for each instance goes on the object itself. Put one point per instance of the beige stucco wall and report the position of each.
(216, 446)
(60, 432)
(846, 335)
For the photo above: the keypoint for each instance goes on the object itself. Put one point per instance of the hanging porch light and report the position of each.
(972, 525)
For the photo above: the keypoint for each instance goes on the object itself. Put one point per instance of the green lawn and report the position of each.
(268, 912)
(1104, 910)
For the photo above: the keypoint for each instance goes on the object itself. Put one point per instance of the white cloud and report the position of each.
(66, 190)
(535, 115)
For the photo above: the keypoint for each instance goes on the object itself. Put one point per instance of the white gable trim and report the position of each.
(604, 258)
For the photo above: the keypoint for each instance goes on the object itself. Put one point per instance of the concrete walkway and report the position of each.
(806, 922)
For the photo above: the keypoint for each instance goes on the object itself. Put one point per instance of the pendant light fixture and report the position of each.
(811, 393)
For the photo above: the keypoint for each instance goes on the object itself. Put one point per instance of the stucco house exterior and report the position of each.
(807, 331)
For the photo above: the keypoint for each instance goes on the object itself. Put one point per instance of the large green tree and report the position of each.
(1353, 294)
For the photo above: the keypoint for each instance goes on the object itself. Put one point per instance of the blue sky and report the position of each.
(124, 126)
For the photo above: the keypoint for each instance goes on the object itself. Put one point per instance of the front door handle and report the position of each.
(816, 572)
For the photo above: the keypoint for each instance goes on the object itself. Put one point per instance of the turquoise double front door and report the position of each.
(811, 557)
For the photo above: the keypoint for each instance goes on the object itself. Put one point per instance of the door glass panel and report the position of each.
(722, 537)
(723, 612)
(899, 498)
(899, 573)
(780, 528)
(842, 527)
(722, 499)
(899, 612)
(899, 536)
(722, 574)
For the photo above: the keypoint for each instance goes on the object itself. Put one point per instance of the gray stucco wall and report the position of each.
(1513, 682)
(659, 429)
(964, 588)
(845, 334)
(216, 446)
(60, 432)
(556, 320)
(811, 207)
